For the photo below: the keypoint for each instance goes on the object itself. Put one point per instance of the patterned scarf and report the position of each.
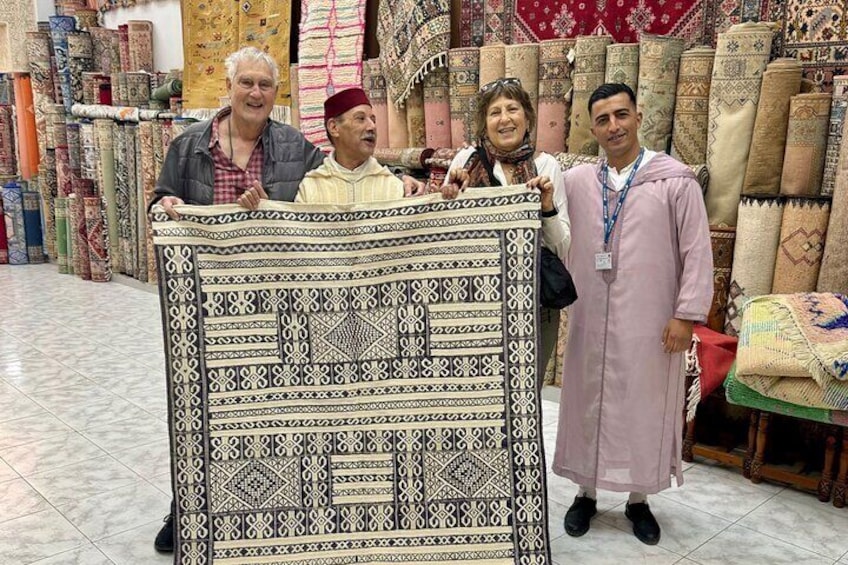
(521, 157)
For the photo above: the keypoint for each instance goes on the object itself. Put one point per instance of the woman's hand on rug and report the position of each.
(168, 203)
(677, 335)
(413, 187)
(457, 182)
(545, 186)
(251, 197)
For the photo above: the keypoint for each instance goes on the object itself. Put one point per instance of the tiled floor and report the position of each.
(84, 451)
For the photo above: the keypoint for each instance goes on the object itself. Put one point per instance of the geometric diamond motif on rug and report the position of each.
(465, 474)
(803, 247)
(345, 337)
(252, 483)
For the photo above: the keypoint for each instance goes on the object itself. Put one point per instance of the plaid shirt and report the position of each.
(230, 180)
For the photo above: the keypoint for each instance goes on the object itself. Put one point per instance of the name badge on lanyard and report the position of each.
(603, 259)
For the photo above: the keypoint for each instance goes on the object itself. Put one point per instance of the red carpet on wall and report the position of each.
(535, 20)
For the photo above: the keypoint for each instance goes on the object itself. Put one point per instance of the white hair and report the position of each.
(250, 55)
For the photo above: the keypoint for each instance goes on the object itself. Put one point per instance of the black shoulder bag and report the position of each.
(556, 287)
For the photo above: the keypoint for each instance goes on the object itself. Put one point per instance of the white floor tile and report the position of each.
(57, 451)
(116, 511)
(30, 429)
(135, 546)
(119, 436)
(86, 555)
(802, 520)
(18, 499)
(148, 460)
(96, 414)
(37, 536)
(721, 494)
(14, 404)
(6, 472)
(738, 544)
(83, 480)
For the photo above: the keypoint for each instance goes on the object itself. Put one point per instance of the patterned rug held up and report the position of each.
(323, 409)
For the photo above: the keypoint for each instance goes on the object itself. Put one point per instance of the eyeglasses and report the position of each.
(500, 82)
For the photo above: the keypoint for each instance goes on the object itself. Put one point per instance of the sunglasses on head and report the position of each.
(500, 82)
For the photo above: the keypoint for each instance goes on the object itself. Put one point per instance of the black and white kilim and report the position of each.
(355, 384)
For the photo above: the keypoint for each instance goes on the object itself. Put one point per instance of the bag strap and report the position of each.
(484, 159)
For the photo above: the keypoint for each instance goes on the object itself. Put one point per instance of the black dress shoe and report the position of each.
(579, 515)
(645, 526)
(164, 542)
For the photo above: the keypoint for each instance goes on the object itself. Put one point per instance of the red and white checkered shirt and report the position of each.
(230, 180)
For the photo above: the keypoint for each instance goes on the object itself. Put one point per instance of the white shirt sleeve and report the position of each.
(556, 230)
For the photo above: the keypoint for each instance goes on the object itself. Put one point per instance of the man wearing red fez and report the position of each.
(350, 173)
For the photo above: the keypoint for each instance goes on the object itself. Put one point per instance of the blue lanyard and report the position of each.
(609, 224)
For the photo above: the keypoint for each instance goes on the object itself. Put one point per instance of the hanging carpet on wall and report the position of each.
(472, 24)
(337, 384)
(625, 21)
(260, 23)
(414, 39)
(335, 27)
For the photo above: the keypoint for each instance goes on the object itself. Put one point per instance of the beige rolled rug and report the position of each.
(754, 252)
(838, 108)
(659, 62)
(623, 64)
(691, 108)
(741, 57)
(374, 85)
(554, 95)
(802, 236)
(833, 275)
(522, 62)
(295, 98)
(417, 135)
(806, 144)
(463, 68)
(437, 108)
(492, 63)
(781, 81)
(589, 72)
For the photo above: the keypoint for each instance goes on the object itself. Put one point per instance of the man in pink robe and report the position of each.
(640, 293)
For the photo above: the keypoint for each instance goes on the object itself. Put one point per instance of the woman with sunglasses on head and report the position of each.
(505, 155)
